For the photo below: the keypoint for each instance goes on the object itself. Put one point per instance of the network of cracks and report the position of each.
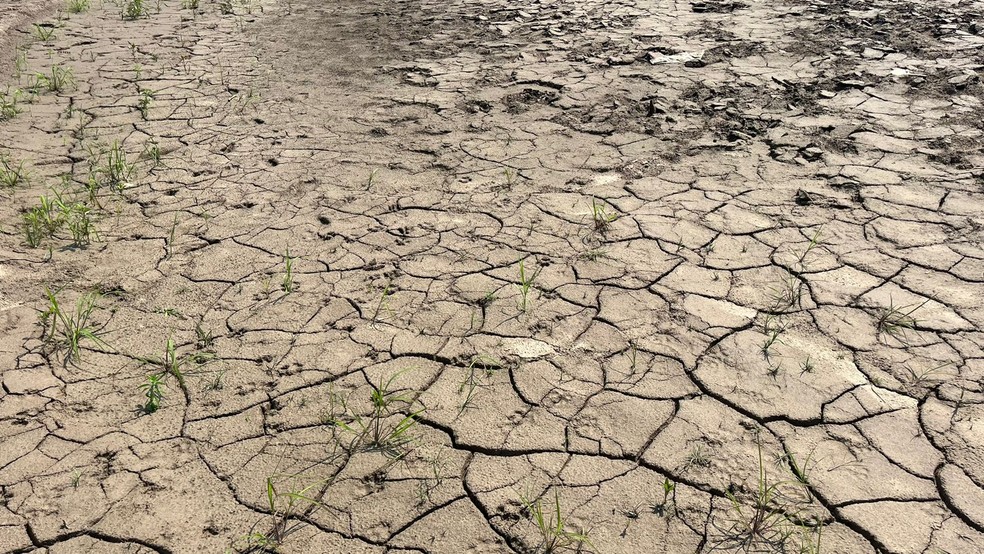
(477, 276)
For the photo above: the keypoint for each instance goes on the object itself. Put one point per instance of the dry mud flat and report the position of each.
(481, 277)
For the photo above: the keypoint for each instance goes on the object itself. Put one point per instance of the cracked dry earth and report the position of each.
(750, 234)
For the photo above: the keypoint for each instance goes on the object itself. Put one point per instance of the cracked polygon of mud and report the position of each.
(406, 157)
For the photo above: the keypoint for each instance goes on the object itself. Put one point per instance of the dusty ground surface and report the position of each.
(16, 17)
(750, 234)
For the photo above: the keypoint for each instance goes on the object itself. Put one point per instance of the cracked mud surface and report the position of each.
(751, 233)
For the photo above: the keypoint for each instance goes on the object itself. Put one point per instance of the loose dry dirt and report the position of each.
(751, 235)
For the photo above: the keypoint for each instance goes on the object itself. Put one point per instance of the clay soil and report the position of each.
(407, 276)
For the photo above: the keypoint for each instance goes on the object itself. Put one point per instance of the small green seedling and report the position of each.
(245, 99)
(773, 327)
(43, 31)
(134, 9)
(526, 283)
(553, 532)
(376, 432)
(427, 486)
(172, 364)
(383, 304)
(204, 338)
(168, 366)
(895, 321)
(480, 372)
(249, 6)
(91, 186)
(287, 284)
(488, 299)
(12, 174)
(920, 378)
(283, 507)
(600, 216)
(807, 366)
(110, 167)
(215, 383)
(760, 521)
(769, 519)
(697, 457)
(774, 369)
(152, 152)
(390, 439)
(801, 470)
(810, 536)
(9, 101)
(42, 222)
(788, 293)
(144, 102)
(20, 63)
(78, 6)
(169, 243)
(58, 80)
(663, 507)
(154, 392)
(594, 254)
(814, 242)
(170, 312)
(118, 170)
(78, 218)
(510, 174)
(69, 330)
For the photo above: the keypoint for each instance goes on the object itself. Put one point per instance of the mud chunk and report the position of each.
(851, 83)
(963, 79)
